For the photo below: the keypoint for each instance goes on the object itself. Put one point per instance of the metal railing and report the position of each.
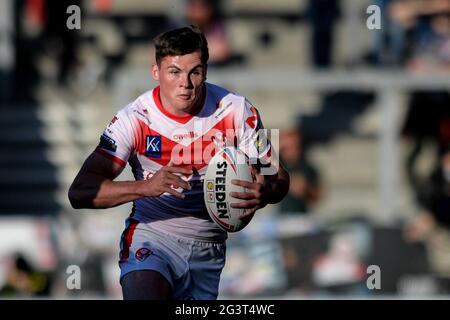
(386, 84)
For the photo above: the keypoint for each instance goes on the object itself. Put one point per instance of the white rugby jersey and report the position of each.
(147, 136)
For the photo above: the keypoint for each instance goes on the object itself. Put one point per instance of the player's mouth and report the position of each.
(185, 96)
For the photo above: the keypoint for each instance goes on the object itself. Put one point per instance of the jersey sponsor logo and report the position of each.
(153, 146)
(181, 136)
(142, 254)
(107, 143)
(220, 190)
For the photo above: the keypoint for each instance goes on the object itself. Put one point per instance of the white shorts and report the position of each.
(192, 267)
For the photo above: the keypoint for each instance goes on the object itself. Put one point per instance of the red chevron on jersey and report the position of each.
(197, 153)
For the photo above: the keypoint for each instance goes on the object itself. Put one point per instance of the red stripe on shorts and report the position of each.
(127, 238)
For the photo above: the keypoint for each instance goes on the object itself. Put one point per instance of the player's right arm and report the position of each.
(94, 185)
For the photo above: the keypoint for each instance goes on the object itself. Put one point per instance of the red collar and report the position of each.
(157, 99)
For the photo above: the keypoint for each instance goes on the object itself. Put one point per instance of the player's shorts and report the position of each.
(192, 267)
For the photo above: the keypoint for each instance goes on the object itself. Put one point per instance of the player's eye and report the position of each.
(174, 71)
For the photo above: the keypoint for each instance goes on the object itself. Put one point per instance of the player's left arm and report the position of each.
(263, 190)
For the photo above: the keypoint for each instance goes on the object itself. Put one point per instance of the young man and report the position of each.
(170, 248)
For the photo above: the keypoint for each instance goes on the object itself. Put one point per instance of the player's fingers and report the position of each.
(174, 193)
(178, 182)
(178, 170)
(248, 204)
(242, 195)
(242, 183)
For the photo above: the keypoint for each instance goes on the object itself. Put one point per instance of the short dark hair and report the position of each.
(181, 41)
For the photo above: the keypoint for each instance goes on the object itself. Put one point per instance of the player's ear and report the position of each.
(155, 71)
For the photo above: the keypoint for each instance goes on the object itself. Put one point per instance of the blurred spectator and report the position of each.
(436, 198)
(40, 29)
(305, 188)
(390, 40)
(407, 12)
(427, 121)
(28, 24)
(432, 50)
(427, 24)
(206, 15)
(433, 224)
(60, 42)
(428, 117)
(403, 21)
(23, 281)
(323, 14)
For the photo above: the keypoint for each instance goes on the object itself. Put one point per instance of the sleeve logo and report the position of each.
(107, 143)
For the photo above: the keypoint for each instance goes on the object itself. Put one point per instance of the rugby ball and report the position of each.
(226, 165)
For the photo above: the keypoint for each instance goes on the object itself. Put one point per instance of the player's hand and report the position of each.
(167, 179)
(254, 198)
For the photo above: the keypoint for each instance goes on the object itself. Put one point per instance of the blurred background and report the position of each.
(364, 120)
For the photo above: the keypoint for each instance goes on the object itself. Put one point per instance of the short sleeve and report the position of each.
(252, 138)
(117, 140)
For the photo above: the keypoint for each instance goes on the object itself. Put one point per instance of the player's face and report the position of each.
(181, 81)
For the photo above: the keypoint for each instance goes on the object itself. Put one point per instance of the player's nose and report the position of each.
(185, 81)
